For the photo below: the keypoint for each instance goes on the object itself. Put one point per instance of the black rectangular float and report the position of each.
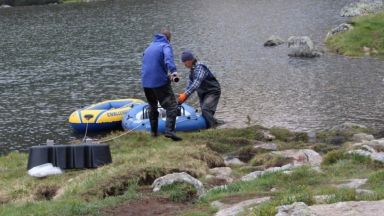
(70, 156)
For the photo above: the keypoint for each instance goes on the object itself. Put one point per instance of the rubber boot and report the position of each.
(170, 130)
(154, 126)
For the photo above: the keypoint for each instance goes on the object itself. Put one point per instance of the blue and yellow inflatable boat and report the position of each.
(106, 115)
(188, 119)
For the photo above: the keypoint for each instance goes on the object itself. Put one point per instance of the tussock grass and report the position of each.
(368, 32)
(138, 159)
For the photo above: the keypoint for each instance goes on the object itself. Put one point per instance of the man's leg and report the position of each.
(168, 102)
(153, 113)
(208, 108)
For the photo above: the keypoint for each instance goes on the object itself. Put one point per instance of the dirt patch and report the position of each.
(239, 198)
(45, 192)
(148, 207)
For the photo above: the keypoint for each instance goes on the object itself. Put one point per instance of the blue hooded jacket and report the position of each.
(157, 61)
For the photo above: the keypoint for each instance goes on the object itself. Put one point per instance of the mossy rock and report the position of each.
(285, 135)
(179, 192)
(248, 152)
(324, 148)
(270, 160)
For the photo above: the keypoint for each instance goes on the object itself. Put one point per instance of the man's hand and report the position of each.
(182, 98)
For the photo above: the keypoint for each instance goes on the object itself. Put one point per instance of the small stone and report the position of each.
(354, 183)
(233, 161)
(217, 204)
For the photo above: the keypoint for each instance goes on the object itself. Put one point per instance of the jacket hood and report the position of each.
(160, 38)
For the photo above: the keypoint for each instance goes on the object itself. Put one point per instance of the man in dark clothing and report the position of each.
(205, 84)
(157, 61)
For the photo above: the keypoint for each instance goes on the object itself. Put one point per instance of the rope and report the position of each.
(132, 131)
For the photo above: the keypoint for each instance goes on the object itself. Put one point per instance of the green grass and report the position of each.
(138, 159)
(368, 32)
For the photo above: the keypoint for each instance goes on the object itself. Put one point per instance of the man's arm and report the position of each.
(168, 58)
(199, 75)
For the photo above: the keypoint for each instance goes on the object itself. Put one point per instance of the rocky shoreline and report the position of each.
(251, 171)
(303, 46)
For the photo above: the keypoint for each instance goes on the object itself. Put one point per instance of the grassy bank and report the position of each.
(368, 32)
(138, 159)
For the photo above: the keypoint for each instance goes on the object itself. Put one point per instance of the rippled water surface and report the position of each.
(56, 58)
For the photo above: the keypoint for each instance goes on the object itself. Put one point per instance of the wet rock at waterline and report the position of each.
(273, 41)
(302, 46)
(178, 177)
(341, 28)
(361, 7)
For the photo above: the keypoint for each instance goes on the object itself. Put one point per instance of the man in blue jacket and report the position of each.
(157, 62)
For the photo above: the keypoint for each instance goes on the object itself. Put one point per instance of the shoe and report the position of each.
(172, 136)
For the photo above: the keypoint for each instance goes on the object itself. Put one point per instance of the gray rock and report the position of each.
(296, 209)
(353, 208)
(302, 47)
(360, 137)
(274, 41)
(361, 7)
(301, 156)
(178, 177)
(341, 28)
(241, 206)
(223, 173)
(354, 183)
(267, 136)
(217, 204)
(233, 161)
(266, 146)
(377, 156)
(254, 175)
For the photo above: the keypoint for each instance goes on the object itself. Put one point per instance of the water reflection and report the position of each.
(57, 58)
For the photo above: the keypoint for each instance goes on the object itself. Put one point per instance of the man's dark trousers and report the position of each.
(165, 96)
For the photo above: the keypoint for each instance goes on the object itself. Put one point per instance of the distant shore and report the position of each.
(15, 3)
(366, 38)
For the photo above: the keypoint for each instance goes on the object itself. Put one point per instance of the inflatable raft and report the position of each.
(106, 115)
(138, 119)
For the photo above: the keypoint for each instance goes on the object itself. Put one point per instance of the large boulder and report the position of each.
(302, 46)
(178, 177)
(361, 7)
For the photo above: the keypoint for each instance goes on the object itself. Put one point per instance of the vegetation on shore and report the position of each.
(138, 159)
(366, 37)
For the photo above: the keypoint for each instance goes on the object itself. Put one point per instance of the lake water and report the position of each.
(56, 58)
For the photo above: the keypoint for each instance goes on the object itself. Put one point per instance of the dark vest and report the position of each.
(209, 85)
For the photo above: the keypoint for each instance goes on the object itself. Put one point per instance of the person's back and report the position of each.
(156, 63)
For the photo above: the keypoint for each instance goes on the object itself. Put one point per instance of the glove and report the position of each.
(182, 98)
